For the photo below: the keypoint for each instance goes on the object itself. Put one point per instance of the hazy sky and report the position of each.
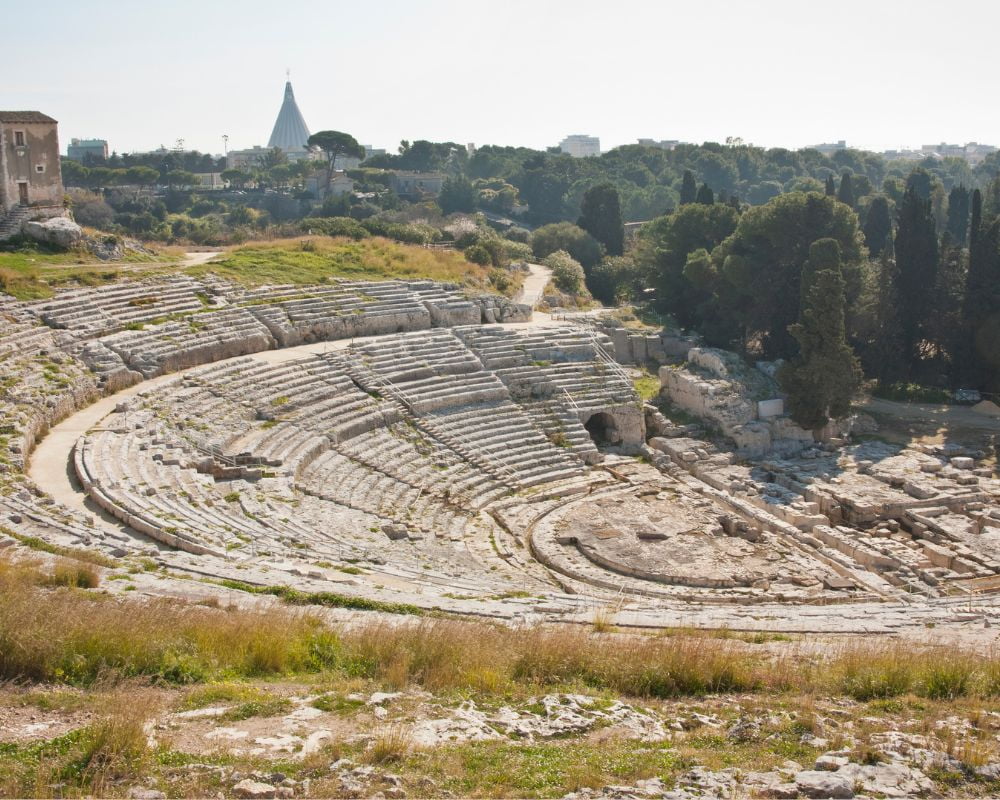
(878, 73)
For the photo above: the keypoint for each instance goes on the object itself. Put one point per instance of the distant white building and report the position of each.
(416, 184)
(86, 149)
(340, 184)
(663, 144)
(829, 148)
(973, 152)
(580, 145)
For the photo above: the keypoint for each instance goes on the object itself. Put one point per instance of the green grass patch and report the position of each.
(321, 259)
(329, 599)
(647, 386)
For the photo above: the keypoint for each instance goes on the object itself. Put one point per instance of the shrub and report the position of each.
(517, 251)
(335, 226)
(583, 247)
(478, 254)
(567, 274)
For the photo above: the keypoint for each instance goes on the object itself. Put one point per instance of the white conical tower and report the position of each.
(290, 131)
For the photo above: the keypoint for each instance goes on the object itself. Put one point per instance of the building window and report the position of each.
(39, 168)
(18, 138)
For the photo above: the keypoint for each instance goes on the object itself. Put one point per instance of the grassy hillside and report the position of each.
(31, 272)
(317, 259)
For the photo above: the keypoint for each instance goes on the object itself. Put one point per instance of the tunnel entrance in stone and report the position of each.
(603, 429)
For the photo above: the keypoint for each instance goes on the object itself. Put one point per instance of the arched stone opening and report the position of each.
(603, 429)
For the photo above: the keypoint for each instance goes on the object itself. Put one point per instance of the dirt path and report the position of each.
(534, 285)
(931, 423)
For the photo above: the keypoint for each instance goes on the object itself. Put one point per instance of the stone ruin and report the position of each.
(401, 442)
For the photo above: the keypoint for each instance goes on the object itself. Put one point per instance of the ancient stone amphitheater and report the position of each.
(401, 442)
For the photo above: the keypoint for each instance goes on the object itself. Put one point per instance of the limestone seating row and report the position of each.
(23, 338)
(214, 420)
(109, 308)
(196, 340)
(500, 347)
(398, 452)
(114, 492)
(421, 355)
(589, 384)
(343, 480)
(561, 425)
(503, 437)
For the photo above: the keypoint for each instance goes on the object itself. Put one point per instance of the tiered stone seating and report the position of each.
(402, 452)
(499, 347)
(101, 310)
(342, 311)
(502, 438)
(199, 339)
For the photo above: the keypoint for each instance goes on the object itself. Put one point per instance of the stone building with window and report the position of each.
(29, 162)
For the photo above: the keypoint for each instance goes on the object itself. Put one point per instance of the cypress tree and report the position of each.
(601, 217)
(980, 358)
(831, 187)
(958, 215)
(845, 194)
(689, 189)
(878, 225)
(821, 380)
(705, 195)
(917, 263)
(886, 361)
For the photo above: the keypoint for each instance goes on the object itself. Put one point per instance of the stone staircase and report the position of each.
(10, 225)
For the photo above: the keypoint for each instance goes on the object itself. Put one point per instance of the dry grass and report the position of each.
(318, 259)
(51, 630)
(95, 758)
(73, 636)
(391, 744)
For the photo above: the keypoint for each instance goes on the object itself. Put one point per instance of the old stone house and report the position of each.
(30, 177)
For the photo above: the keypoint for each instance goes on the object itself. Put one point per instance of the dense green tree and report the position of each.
(917, 262)
(457, 194)
(616, 279)
(601, 217)
(922, 182)
(824, 375)
(958, 215)
(831, 186)
(845, 194)
(689, 188)
(878, 225)
(883, 354)
(979, 366)
(760, 267)
(663, 250)
(334, 144)
(179, 177)
(705, 195)
(569, 237)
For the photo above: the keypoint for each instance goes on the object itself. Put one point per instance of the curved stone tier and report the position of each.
(389, 441)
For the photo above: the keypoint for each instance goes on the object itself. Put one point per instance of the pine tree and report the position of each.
(917, 262)
(878, 225)
(601, 217)
(821, 380)
(958, 215)
(689, 189)
(705, 195)
(845, 194)
(831, 187)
